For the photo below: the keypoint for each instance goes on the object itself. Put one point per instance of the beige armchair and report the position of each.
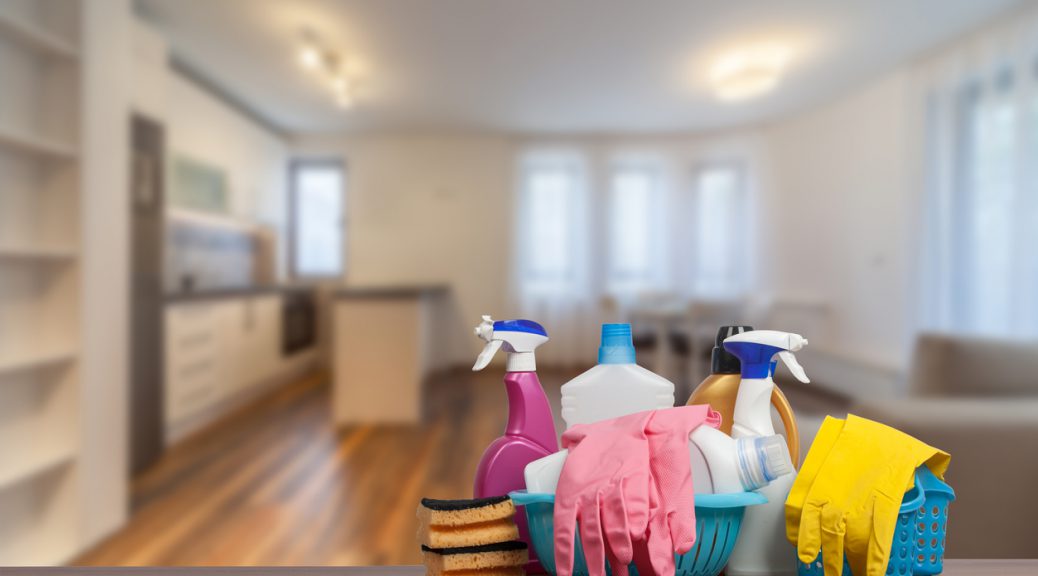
(977, 399)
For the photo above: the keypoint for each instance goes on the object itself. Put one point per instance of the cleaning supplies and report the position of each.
(731, 465)
(672, 525)
(616, 386)
(761, 548)
(627, 482)
(604, 485)
(720, 464)
(849, 496)
(530, 432)
(721, 387)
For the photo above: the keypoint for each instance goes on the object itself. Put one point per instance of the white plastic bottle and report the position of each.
(616, 386)
(725, 465)
(762, 547)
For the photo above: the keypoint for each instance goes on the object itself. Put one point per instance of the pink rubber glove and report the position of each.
(604, 486)
(672, 523)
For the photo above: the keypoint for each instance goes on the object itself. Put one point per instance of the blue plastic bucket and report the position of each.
(718, 518)
(918, 547)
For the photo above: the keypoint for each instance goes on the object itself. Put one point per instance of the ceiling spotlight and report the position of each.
(749, 72)
(310, 57)
(343, 94)
(329, 64)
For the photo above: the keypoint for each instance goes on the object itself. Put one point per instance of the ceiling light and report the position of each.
(343, 95)
(748, 72)
(329, 64)
(310, 57)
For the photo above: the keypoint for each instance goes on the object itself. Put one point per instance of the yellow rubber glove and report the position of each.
(816, 455)
(854, 487)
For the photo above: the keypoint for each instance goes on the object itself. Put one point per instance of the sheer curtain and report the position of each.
(552, 256)
(980, 259)
(598, 229)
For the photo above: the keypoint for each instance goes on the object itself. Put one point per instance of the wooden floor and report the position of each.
(276, 484)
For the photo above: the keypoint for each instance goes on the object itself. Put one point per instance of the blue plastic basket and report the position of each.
(718, 518)
(918, 547)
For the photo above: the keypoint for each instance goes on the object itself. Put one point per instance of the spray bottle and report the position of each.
(530, 432)
(762, 547)
(721, 388)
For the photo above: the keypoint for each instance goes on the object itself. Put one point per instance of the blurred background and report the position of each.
(243, 245)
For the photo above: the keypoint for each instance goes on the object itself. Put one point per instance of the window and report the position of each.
(317, 217)
(979, 269)
(719, 205)
(636, 228)
(547, 235)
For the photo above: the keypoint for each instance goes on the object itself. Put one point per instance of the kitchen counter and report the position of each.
(390, 292)
(223, 293)
(951, 568)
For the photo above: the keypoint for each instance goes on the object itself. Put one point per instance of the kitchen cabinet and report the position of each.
(217, 349)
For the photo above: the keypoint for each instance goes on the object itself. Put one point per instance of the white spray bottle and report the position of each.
(762, 547)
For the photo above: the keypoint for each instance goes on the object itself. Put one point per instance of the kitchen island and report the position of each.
(385, 343)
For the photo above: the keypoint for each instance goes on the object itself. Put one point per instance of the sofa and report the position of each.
(977, 399)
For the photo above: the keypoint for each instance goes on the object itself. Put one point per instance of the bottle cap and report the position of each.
(617, 346)
(761, 459)
(721, 360)
(775, 457)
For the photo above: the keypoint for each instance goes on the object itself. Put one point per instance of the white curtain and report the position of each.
(980, 251)
(600, 228)
(554, 282)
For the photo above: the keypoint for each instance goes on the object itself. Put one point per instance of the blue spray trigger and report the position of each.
(520, 325)
(756, 359)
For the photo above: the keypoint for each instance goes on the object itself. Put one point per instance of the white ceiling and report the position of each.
(545, 65)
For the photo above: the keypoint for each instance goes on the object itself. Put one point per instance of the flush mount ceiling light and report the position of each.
(748, 72)
(328, 63)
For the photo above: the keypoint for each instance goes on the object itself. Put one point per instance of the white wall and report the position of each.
(840, 213)
(426, 209)
(202, 127)
(105, 257)
(439, 208)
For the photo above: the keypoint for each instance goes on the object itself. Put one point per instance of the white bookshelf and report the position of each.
(40, 360)
(20, 29)
(42, 254)
(14, 141)
(40, 283)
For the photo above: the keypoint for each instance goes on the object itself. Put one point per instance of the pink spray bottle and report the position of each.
(530, 433)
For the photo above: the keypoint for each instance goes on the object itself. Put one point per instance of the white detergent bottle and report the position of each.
(616, 386)
(725, 465)
(762, 547)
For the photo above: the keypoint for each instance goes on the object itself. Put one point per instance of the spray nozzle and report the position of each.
(519, 338)
(757, 348)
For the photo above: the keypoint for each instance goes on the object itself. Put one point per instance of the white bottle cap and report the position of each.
(776, 457)
(762, 459)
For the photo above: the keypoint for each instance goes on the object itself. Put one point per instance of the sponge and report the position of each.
(465, 512)
(491, 556)
(472, 535)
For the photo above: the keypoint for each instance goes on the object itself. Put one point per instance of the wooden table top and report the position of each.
(951, 568)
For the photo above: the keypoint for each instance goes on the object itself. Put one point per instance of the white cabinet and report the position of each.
(193, 358)
(216, 349)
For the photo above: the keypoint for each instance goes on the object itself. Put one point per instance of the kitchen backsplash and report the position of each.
(203, 256)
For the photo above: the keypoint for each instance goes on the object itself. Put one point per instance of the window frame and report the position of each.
(295, 166)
